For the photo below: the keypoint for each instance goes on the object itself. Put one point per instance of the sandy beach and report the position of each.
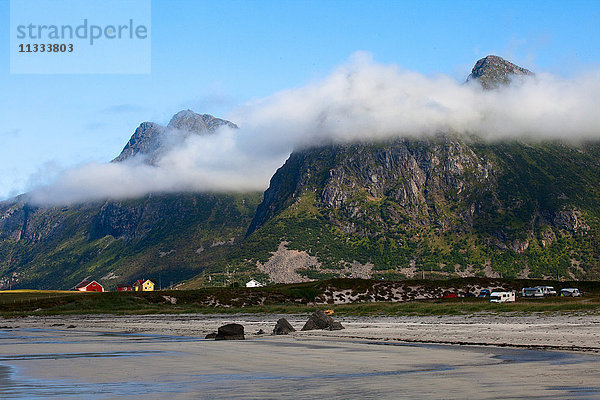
(160, 356)
(579, 332)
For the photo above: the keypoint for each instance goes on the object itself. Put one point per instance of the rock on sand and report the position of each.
(319, 320)
(230, 332)
(283, 327)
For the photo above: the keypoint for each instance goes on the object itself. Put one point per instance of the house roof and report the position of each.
(142, 281)
(85, 283)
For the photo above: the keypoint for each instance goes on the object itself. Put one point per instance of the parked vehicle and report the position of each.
(484, 293)
(450, 296)
(538, 291)
(570, 292)
(502, 297)
(532, 292)
(548, 290)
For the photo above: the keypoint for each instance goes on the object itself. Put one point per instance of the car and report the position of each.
(450, 296)
(484, 293)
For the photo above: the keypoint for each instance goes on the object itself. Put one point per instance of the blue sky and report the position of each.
(211, 56)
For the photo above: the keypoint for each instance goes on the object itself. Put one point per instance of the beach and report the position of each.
(160, 356)
(563, 331)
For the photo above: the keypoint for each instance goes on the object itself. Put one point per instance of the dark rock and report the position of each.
(283, 327)
(212, 335)
(230, 332)
(71, 326)
(260, 332)
(319, 320)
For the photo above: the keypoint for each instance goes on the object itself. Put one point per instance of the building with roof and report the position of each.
(143, 285)
(89, 286)
(253, 283)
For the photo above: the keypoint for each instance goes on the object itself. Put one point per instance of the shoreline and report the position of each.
(563, 332)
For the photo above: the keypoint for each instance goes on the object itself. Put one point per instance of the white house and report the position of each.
(253, 283)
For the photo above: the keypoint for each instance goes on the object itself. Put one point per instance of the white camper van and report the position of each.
(532, 292)
(548, 290)
(502, 297)
(538, 291)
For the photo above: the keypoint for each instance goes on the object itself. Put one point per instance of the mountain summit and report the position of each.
(493, 72)
(189, 121)
(150, 138)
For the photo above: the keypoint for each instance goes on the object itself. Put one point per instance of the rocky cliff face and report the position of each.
(453, 205)
(448, 204)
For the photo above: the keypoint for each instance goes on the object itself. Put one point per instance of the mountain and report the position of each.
(493, 72)
(167, 238)
(445, 206)
(449, 205)
(150, 139)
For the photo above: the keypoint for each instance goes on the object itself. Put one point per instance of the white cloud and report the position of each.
(361, 100)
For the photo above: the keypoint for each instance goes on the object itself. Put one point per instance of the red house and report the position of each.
(124, 288)
(89, 286)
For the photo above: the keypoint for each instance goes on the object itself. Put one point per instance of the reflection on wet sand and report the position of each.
(69, 364)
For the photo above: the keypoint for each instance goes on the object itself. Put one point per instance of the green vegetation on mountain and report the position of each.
(444, 206)
(447, 206)
(167, 238)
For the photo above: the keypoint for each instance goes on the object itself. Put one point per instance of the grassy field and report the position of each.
(293, 298)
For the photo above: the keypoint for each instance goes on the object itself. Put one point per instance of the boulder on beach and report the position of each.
(230, 332)
(211, 335)
(283, 327)
(320, 320)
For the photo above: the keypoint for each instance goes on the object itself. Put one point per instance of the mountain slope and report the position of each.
(449, 204)
(166, 238)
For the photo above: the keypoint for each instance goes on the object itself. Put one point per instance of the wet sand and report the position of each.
(164, 356)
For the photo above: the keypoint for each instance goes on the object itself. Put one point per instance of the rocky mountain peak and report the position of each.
(148, 138)
(493, 72)
(189, 121)
(144, 140)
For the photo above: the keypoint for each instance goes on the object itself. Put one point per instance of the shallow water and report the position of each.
(70, 364)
